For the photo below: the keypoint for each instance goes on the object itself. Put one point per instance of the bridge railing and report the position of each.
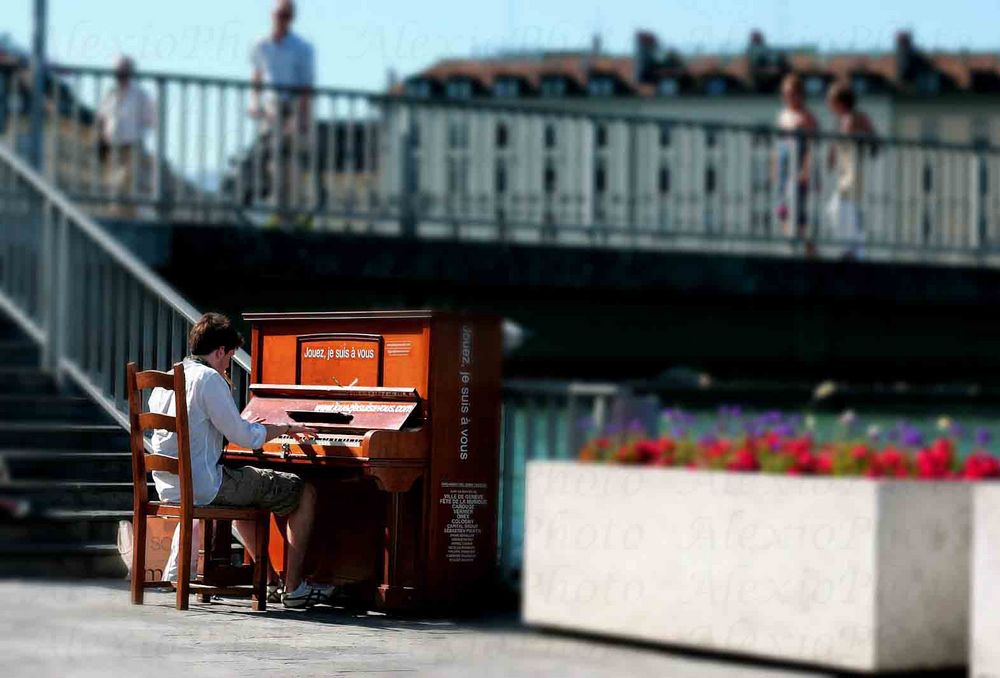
(227, 151)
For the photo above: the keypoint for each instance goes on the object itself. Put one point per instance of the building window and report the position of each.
(664, 180)
(420, 89)
(815, 85)
(929, 129)
(550, 136)
(710, 180)
(415, 135)
(553, 87)
(929, 82)
(507, 88)
(458, 134)
(668, 87)
(501, 135)
(550, 178)
(711, 137)
(715, 87)
(664, 134)
(980, 133)
(601, 135)
(601, 86)
(928, 178)
(457, 176)
(600, 177)
(500, 178)
(459, 89)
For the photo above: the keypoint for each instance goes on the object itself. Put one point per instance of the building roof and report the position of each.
(893, 69)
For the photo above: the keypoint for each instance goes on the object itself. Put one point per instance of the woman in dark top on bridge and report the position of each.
(796, 119)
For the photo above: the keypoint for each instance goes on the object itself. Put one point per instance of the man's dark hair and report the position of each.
(212, 331)
(841, 93)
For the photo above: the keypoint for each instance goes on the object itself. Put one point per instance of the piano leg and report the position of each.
(393, 593)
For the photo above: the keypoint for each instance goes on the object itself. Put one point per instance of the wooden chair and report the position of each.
(185, 510)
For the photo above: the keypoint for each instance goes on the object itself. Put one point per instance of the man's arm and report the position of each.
(256, 80)
(148, 113)
(218, 404)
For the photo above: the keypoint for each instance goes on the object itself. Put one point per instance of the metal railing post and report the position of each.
(60, 299)
(46, 286)
(977, 224)
(38, 68)
(160, 158)
(408, 168)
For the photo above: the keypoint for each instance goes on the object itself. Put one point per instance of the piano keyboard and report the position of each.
(323, 439)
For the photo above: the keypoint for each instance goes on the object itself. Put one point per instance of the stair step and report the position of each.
(46, 495)
(61, 560)
(67, 409)
(57, 434)
(74, 527)
(20, 352)
(25, 381)
(67, 465)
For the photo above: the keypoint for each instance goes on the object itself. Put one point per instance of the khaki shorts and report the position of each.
(259, 487)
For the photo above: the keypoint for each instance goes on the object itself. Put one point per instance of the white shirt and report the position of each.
(126, 115)
(288, 63)
(212, 414)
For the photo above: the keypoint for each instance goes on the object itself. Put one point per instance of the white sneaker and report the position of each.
(307, 595)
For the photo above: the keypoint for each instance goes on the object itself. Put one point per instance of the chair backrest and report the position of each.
(141, 421)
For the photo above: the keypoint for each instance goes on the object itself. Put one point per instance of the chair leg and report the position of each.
(138, 556)
(260, 561)
(207, 526)
(184, 565)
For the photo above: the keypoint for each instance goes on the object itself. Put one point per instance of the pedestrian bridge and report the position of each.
(381, 165)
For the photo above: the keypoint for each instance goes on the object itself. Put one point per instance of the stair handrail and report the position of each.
(46, 314)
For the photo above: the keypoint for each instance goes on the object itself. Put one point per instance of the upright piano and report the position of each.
(405, 462)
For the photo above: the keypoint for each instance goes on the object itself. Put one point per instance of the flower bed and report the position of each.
(772, 443)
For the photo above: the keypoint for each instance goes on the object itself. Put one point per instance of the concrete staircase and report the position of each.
(65, 467)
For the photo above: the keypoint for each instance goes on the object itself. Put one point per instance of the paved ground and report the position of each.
(59, 629)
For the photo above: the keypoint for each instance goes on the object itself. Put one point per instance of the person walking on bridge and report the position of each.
(846, 157)
(793, 161)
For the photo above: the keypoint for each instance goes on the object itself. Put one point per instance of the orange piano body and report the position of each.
(405, 463)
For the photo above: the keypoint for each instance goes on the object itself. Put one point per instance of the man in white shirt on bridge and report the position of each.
(212, 415)
(284, 61)
(124, 117)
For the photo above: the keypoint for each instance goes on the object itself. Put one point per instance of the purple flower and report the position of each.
(983, 437)
(910, 436)
(585, 423)
(784, 430)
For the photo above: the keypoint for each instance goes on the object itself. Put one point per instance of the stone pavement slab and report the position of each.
(90, 629)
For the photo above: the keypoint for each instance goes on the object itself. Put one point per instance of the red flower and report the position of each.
(743, 460)
(860, 452)
(824, 462)
(935, 462)
(647, 451)
(981, 465)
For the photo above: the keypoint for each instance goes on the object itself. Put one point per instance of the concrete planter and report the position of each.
(985, 658)
(849, 573)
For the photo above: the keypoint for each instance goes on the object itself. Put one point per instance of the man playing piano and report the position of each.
(212, 415)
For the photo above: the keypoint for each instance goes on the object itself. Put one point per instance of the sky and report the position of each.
(358, 43)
